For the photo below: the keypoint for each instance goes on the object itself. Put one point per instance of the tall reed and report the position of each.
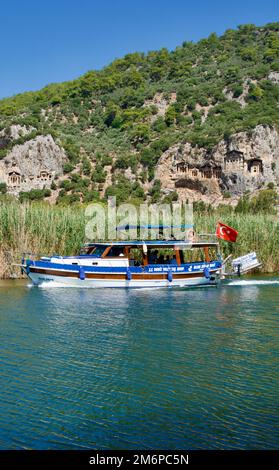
(39, 229)
(256, 232)
(43, 229)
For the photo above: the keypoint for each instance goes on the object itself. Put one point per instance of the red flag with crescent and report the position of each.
(226, 233)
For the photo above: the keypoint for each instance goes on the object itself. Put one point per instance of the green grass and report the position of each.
(43, 229)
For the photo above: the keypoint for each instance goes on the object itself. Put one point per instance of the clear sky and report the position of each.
(56, 40)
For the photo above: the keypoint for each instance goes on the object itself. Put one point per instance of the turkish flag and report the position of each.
(226, 233)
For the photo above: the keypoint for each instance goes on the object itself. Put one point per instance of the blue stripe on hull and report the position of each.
(155, 268)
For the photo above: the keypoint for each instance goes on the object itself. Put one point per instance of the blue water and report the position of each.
(119, 369)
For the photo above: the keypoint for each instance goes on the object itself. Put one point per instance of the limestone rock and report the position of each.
(32, 165)
(273, 77)
(242, 98)
(15, 131)
(247, 161)
(161, 102)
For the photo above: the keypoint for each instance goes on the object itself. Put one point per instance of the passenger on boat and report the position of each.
(161, 259)
(153, 259)
(173, 261)
(115, 251)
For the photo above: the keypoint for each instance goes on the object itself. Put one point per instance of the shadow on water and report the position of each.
(166, 368)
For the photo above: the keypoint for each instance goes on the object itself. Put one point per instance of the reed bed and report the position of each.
(40, 229)
(256, 232)
(43, 229)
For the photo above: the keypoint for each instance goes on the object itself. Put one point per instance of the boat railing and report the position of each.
(33, 256)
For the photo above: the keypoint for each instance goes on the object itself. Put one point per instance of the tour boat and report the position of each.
(137, 263)
(131, 264)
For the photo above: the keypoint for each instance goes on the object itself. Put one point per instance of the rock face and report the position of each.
(273, 77)
(32, 165)
(246, 161)
(161, 103)
(14, 132)
(242, 98)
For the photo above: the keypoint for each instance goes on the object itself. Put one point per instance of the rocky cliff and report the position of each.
(245, 162)
(32, 165)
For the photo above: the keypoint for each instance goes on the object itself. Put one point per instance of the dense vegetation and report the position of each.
(109, 117)
(43, 229)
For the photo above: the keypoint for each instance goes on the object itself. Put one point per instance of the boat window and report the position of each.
(98, 251)
(194, 255)
(116, 251)
(164, 256)
(135, 257)
(93, 250)
(198, 254)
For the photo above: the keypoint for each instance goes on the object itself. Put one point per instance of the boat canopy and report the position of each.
(180, 244)
(200, 240)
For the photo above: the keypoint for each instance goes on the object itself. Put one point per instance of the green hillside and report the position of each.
(110, 116)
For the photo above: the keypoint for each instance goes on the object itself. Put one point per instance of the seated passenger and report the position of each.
(161, 259)
(115, 251)
(167, 260)
(153, 257)
(173, 261)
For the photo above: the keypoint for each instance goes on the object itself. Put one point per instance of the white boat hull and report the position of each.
(43, 279)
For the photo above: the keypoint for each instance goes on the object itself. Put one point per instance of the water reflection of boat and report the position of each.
(134, 263)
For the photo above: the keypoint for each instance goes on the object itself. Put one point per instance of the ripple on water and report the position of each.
(141, 368)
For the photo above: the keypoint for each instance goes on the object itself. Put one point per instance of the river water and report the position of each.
(128, 369)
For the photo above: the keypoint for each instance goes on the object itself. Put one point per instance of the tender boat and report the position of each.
(138, 263)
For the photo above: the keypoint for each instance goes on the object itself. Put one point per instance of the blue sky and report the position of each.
(52, 41)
